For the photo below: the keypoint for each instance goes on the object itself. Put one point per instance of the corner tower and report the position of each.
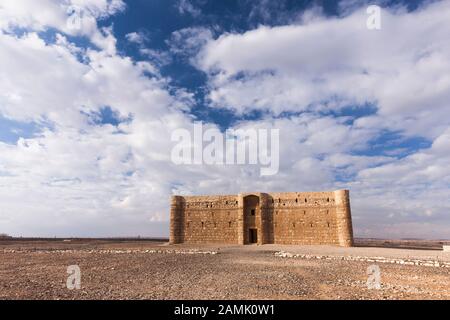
(176, 220)
(344, 218)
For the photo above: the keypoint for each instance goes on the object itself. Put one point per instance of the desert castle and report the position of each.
(282, 218)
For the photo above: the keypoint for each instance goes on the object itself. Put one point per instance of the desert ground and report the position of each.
(152, 269)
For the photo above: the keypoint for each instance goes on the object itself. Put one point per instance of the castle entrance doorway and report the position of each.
(252, 217)
(253, 235)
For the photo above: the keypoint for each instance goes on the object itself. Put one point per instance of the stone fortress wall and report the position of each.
(280, 218)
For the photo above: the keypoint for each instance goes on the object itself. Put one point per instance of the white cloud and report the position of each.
(186, 7)
(136, 37)
(188, 41)
(158, 57)
(45, 14)
(298, 67)
(53, 13)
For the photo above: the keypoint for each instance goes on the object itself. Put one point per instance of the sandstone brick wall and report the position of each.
(305, 218)
(211, 219)
(284, 218)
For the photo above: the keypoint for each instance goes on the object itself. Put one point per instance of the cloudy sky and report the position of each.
(88, 105)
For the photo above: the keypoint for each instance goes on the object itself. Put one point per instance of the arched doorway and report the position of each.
(252, 215)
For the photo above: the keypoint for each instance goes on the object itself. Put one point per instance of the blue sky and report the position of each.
(86, 114)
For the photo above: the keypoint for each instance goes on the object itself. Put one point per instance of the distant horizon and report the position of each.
(167, 238)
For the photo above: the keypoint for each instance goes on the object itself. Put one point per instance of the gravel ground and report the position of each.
(151, 270)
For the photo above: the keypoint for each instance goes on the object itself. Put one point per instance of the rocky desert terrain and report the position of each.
(155, 270)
